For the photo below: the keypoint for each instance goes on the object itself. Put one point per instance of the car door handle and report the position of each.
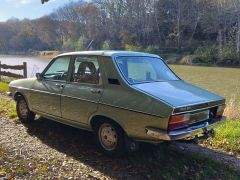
(59, 85)
(97, 91)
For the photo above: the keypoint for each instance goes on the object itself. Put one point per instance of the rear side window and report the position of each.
(86, 70)
(144, 69)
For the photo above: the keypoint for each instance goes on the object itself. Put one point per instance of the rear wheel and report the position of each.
(23, 112)
(110, 138)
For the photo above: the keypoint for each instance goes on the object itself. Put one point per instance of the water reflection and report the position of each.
(34, 64)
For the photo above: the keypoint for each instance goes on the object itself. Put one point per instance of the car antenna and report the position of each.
(90, 44)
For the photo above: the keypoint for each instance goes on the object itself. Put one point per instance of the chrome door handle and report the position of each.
(97, 91)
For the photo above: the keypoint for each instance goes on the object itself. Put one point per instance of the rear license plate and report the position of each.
(199, 116)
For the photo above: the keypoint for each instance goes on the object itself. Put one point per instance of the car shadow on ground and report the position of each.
(151, 161)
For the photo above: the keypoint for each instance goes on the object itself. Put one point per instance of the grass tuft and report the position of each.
(8, 108)
(3, 87)
(232, 109)
(227, 138)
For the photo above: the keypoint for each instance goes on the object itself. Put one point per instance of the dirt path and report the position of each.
(225, 158)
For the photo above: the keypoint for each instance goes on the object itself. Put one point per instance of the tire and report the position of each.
(110, 138)
(23, 112)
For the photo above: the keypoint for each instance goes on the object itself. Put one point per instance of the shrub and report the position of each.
(152, 49)
(187, 60)
(68, 45)
(129, 47)
(79, 44)
(213, 55)
(106, 45)
(228, 56)
(208, 55)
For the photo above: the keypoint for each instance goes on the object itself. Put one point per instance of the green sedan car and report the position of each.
(123, 97)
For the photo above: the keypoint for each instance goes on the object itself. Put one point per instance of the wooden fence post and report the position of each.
(25, 69)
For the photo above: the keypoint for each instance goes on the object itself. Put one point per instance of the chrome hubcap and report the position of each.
(23, 108)
(107, 136)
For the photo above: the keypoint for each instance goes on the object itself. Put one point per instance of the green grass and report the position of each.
(3, 87)
(227, 137)
(7, 108)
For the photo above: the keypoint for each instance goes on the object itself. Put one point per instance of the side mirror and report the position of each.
(39, 76)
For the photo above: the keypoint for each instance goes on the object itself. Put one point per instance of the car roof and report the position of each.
(109, 53)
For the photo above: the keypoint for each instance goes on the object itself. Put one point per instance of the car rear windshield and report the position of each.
(144, 70)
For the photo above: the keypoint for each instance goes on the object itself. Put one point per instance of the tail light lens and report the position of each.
(178, 121)
(220, 110)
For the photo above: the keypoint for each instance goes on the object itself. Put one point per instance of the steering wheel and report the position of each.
(62, 74)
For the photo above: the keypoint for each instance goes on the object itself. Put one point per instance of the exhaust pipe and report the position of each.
(206, 134)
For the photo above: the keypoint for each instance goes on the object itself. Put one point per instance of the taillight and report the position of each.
(178, 121)
(220, 110)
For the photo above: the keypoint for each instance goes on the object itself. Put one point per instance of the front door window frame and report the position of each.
(50, 64)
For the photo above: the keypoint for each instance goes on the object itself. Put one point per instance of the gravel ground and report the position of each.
(63, 151)
(227, 159)
(51, 150)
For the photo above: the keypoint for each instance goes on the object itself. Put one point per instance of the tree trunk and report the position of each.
(178, 25)
(238, 37)
(220, 39)
(194, 30)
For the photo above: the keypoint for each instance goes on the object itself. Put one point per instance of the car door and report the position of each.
(81, 95)
(46, 93)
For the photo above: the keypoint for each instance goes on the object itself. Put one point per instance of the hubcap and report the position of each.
(107, 136)
(23, 108)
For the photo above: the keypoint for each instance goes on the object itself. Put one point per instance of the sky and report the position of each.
(27, 8)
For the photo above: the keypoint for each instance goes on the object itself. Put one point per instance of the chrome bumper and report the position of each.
(190, 132)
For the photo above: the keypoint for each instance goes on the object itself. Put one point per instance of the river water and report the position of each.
(34, 64)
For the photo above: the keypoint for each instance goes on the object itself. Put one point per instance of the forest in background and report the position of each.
(204, 31)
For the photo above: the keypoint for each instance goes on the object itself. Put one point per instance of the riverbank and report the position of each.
(41, 54)
(46, 54)
(35, 64)
(170, 58)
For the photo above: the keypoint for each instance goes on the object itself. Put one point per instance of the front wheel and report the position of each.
(109, 138)
(23, 112)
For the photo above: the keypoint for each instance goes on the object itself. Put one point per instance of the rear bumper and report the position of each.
(190, 132)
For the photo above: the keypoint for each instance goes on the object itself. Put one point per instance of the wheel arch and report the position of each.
(94, 119)
(18, 95)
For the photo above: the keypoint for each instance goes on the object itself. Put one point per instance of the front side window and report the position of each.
(58, 69)
(86, 70)
(144, 69)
